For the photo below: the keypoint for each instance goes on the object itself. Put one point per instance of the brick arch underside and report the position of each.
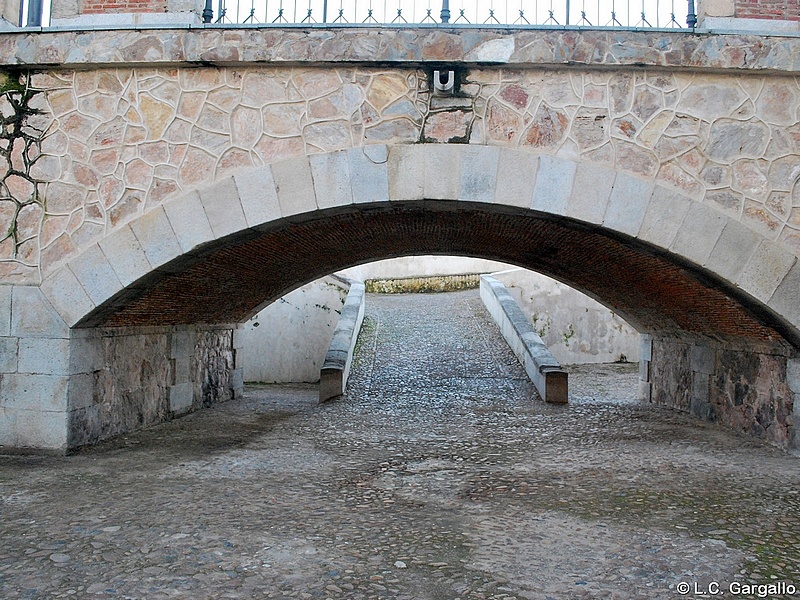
(229, 280)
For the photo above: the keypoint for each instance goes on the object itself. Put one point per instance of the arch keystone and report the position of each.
(478, 181)
(442, 171)
(516, 171)
(369, 173)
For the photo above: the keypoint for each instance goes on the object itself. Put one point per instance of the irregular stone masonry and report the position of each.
(124, 140)
(183, 194)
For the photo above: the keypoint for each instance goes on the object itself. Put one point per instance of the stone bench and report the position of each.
(543, 369)
(336, 368)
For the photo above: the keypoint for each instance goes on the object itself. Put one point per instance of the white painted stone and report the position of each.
(183, 370)
(258, 196)
(496, 51)
(156, 237)
(189, 221)
(591, 191)
(181, 397)
(5, 309)
(785, 299)
(442, 171)
(479, 173)
(793, 374)
(763, 26)
(32, 315)
(516, 171)
(41, 429)
(331, 175)
(664, 216)
(699, 232)
(295, 186)
(95, 274)
(369, 173)
(766, 268)
(8, 427)
(732, 251)
(628, 204)
(553, 184)
(223, 207)
(125, 254)
(81, 391)
(86, 354)
(182, 344)
(67, 296)
(44, 356)
(8, 354)
(406, 168)
(25, 391)
(646, 348)
(703, 359)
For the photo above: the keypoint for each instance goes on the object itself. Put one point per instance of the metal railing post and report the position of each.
(34, 13)
(445, 16)
(208, 12)
(691, 18)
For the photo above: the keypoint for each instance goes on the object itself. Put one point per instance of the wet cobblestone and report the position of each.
(439, 475)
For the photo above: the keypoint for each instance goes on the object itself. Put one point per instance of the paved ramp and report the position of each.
(438, 476)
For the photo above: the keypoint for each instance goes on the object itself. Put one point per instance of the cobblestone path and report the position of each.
(438, 476)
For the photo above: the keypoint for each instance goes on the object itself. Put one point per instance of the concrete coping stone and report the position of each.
(336, 367)
(545, 372)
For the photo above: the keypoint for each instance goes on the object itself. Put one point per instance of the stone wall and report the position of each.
(122, 141)
(744, 388)
(575, 328)
(128, 378)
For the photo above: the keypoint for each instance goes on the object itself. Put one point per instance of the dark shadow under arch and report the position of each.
(230, 279)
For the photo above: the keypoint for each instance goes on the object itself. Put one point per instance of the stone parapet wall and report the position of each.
(744, 388)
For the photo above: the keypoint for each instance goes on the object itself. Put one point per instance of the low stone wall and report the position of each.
(336, 368)
(128, 378)
(540, 365)
(752, 391)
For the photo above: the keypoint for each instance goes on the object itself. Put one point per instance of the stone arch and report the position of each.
(133, 276)
(717, 301)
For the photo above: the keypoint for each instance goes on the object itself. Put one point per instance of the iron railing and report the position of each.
(509, 13)
(519, 13)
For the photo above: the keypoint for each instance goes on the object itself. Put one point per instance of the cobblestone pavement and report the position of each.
(438, 476)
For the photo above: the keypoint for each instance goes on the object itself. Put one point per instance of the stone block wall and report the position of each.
(749, 390)
(127, 378)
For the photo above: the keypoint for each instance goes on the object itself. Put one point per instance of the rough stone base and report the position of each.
(749, 390)
(127, 378)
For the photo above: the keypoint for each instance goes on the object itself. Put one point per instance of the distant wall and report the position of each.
(575, 328)
(287, 341)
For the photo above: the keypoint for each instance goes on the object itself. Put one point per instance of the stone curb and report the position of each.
(540, 365)
(336, 368)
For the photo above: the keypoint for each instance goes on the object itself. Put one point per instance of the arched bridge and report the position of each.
(163, 185)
